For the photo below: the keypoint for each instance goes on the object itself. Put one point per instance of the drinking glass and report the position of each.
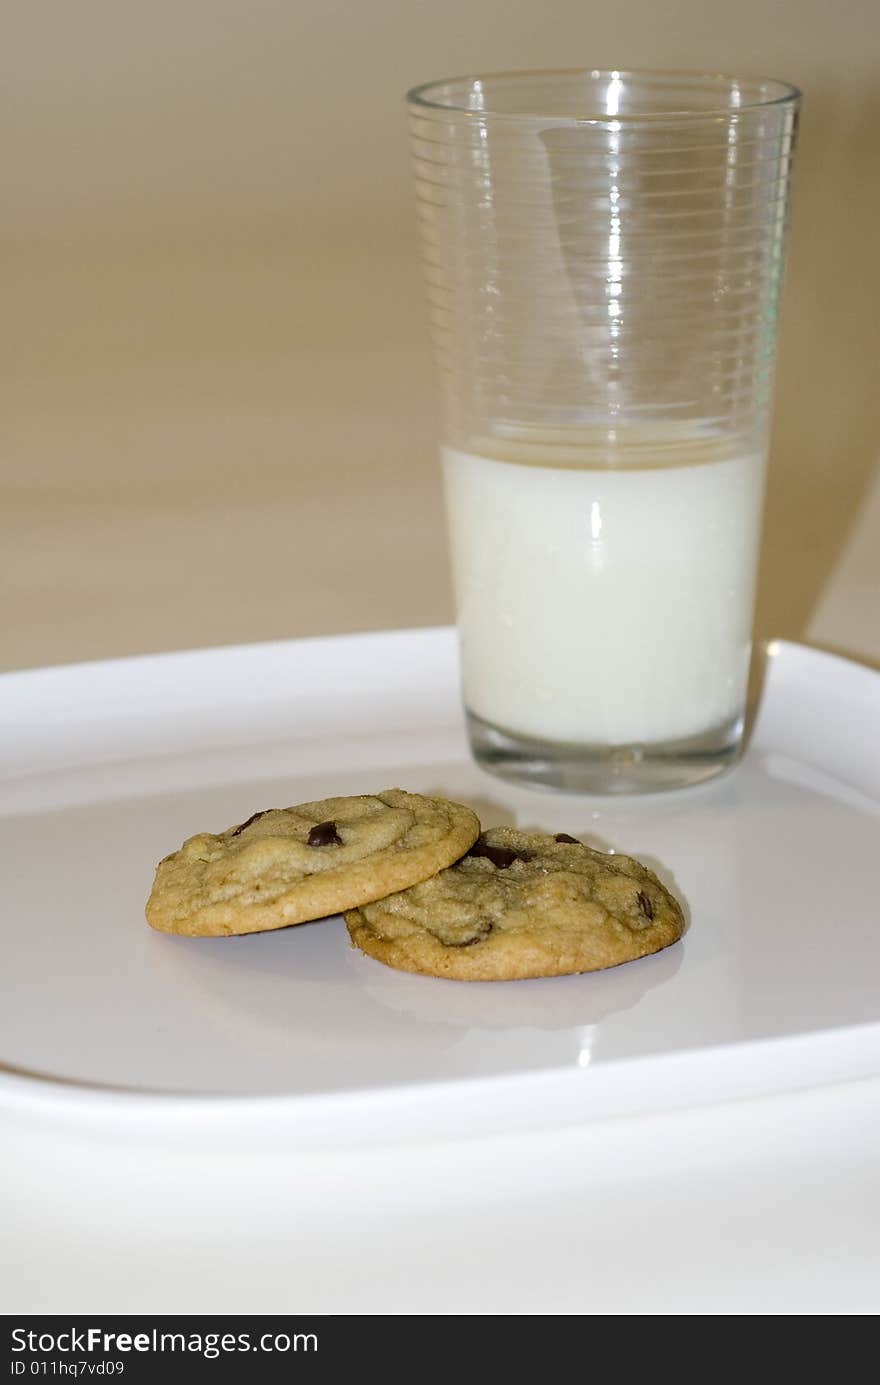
(604, 254)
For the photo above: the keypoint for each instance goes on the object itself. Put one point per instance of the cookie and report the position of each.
(521, 904)
(288, 865)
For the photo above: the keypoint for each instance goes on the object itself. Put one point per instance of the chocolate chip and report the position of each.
(500, 856)
(253, 818)
(564, 837)
(324, 834)
(645, 904)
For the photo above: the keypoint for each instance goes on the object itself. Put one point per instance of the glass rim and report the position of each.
(778, 93)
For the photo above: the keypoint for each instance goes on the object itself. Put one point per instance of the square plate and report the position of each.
(106, 767)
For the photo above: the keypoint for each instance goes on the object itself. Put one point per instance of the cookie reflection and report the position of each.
(542, 1003)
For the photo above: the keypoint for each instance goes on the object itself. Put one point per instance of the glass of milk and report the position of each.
(604, 254)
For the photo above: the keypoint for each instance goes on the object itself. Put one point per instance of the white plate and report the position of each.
(108, 766)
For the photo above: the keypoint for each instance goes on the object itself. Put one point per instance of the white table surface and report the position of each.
(761, 1207)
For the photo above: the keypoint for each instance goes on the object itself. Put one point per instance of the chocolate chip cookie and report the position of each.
(521, 904)
(288, 865)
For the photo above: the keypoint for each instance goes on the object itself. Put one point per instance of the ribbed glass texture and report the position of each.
(603, 249)
(604, 255)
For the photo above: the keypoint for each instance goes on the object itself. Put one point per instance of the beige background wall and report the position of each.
(216, 400)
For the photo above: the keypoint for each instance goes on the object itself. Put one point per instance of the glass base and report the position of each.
(570, 767)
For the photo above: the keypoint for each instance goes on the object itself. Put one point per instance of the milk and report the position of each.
(605, 605)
